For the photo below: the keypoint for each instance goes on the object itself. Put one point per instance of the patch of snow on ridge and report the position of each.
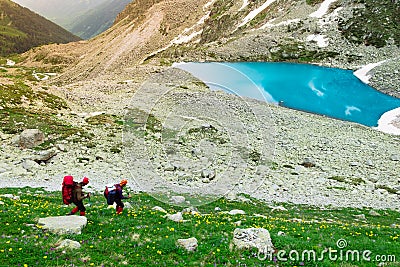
(323, 9)
(321, 40)
(362, 73)
(245, 4)
(10, 62)
(255, 12)
(389, 122)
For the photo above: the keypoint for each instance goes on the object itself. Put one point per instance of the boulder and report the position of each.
(29, 138)
(157, 208)
(45, 155)
(178, 199)
(249, 238)
(308, 163)
(209, 174)
(190, 244)
(63, 224)
(237, 212)
(30, 165)
(68, 244)
(177, 217)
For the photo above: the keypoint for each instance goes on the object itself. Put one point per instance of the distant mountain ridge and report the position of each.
(84, 18)
(97, 20)
(22, 29)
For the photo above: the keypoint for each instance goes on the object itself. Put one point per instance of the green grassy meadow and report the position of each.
(144, 237)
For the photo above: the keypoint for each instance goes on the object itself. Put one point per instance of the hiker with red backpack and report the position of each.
(72, 193)
(113, 193)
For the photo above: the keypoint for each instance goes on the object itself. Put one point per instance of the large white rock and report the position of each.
(190, 244)
(249, 238)
(69, 244)
(63, 224)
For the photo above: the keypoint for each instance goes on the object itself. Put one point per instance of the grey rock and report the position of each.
(30, 165)
(177, 217)
(278, 208)
(308, 163)
(190, 244)
(210, 174)
(205, 180)
(63, 224)
(7, 196)
(169, 167)
(68, 244)
(374, 213)
(157, 208)
(60, 147)
(30, 138)
(360, 216)
(178, 199)
(395, 157)
(249, 238)
(369, 163)
(237, 212)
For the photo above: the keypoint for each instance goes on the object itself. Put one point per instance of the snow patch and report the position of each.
(10, 62)
(255, 12)
(389, 122)
(323, 9)
(321, 40)
(362, 73)
(245, 4)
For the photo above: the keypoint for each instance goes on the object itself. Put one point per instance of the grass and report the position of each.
(143, 237)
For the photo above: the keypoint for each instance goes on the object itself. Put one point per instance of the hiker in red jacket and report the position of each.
(114, 194)
(78, 195)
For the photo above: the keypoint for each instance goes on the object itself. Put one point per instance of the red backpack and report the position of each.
(68, 186)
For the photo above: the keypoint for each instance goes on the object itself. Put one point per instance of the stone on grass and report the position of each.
(190, 244)
(68, 244)
(249, 238)
(374, 213)
(157, 208)
(178, 199)
(177, 217)
(360, 216)
(63, 224)
(236, 212)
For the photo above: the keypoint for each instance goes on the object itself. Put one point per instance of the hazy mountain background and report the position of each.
(84, 18)
(22, 29)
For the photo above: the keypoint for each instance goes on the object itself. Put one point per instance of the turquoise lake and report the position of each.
(331, 92)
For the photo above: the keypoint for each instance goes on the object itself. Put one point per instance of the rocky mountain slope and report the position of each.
(281, 30)
(85, 19)
(21, 29)
(129, 114)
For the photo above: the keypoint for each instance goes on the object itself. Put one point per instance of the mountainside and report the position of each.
(61, 12)
(84, 18)
(113, 106)
(97, 20)
(342, 33)
(21, 29)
